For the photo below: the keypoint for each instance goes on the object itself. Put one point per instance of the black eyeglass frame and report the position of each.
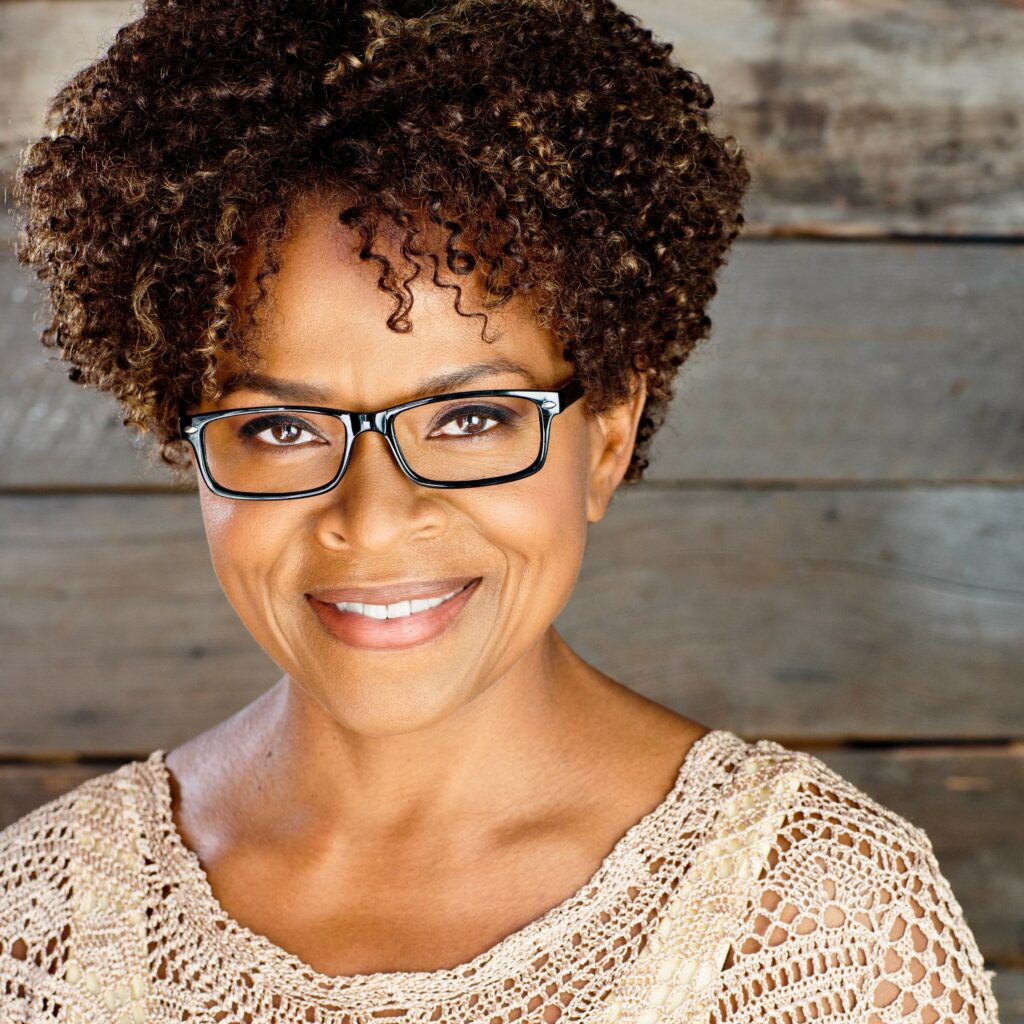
(381, 421)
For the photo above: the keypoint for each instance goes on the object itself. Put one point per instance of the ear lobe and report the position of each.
(613, 438)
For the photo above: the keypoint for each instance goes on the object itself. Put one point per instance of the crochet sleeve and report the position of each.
(851, 919)
(34, 913)
(924, 963)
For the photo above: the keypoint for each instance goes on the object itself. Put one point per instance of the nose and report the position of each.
(384, 462)
(375, 506)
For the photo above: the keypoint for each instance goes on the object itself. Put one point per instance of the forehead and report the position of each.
(324, 318)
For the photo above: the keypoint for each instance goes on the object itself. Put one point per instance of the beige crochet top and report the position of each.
(764, 887)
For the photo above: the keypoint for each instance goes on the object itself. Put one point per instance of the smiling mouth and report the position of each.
(395, 626)
(400, 609)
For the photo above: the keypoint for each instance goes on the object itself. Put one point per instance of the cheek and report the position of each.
(541, 522)
(246, 540)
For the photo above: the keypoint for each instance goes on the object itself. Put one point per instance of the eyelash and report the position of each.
(253, 428)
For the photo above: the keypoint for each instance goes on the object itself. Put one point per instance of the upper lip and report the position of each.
(394, 592)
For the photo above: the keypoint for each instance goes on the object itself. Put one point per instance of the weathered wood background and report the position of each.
(829, 548)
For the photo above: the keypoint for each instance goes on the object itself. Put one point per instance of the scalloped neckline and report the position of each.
(206, 913)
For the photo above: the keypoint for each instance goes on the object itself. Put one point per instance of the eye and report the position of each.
(289, 431)
(469, 420)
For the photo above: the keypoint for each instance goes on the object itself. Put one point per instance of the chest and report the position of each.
(418, 911)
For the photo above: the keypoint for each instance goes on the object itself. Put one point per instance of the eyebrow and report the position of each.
(300, 391)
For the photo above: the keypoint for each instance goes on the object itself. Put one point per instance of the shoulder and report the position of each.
(61, 865)
(842, 886)
(832, 809)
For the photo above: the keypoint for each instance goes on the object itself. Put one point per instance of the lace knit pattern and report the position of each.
(764, 887)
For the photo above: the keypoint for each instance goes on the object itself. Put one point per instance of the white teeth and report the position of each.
(399, 610)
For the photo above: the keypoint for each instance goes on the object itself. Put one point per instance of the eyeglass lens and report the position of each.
(445, 442)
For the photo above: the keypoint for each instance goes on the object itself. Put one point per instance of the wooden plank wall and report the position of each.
(829, 548)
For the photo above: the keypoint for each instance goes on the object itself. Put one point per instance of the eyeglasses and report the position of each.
(460, 439)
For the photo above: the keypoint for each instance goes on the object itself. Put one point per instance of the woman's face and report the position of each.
(322, 325)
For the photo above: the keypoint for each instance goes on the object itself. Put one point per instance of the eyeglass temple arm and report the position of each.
(182, 417)
(569, 393)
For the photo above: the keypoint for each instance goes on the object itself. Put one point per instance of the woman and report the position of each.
(485, 232)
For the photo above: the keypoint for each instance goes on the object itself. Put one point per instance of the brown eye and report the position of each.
(475, 416)
(283, 431)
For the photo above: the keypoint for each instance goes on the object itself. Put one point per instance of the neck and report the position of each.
(503, 750)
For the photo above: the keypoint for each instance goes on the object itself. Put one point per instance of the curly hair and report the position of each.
(554, 144)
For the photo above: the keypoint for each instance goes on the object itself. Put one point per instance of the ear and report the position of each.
(612, 436)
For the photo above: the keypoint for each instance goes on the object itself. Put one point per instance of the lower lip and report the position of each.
(391, 634)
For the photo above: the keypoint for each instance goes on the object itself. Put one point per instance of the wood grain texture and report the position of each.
(854, 613)
(56, 433)
(828, 547)
(841, 361)
(864, 118)
(937, 789)
(859, 119)
(811, 613)
(1008, 987)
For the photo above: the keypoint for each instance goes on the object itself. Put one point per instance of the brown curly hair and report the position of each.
(555, 144)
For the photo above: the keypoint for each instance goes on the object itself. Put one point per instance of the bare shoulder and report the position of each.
(646, 722)
(209, 757)
(642, 744)
(208, 776)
